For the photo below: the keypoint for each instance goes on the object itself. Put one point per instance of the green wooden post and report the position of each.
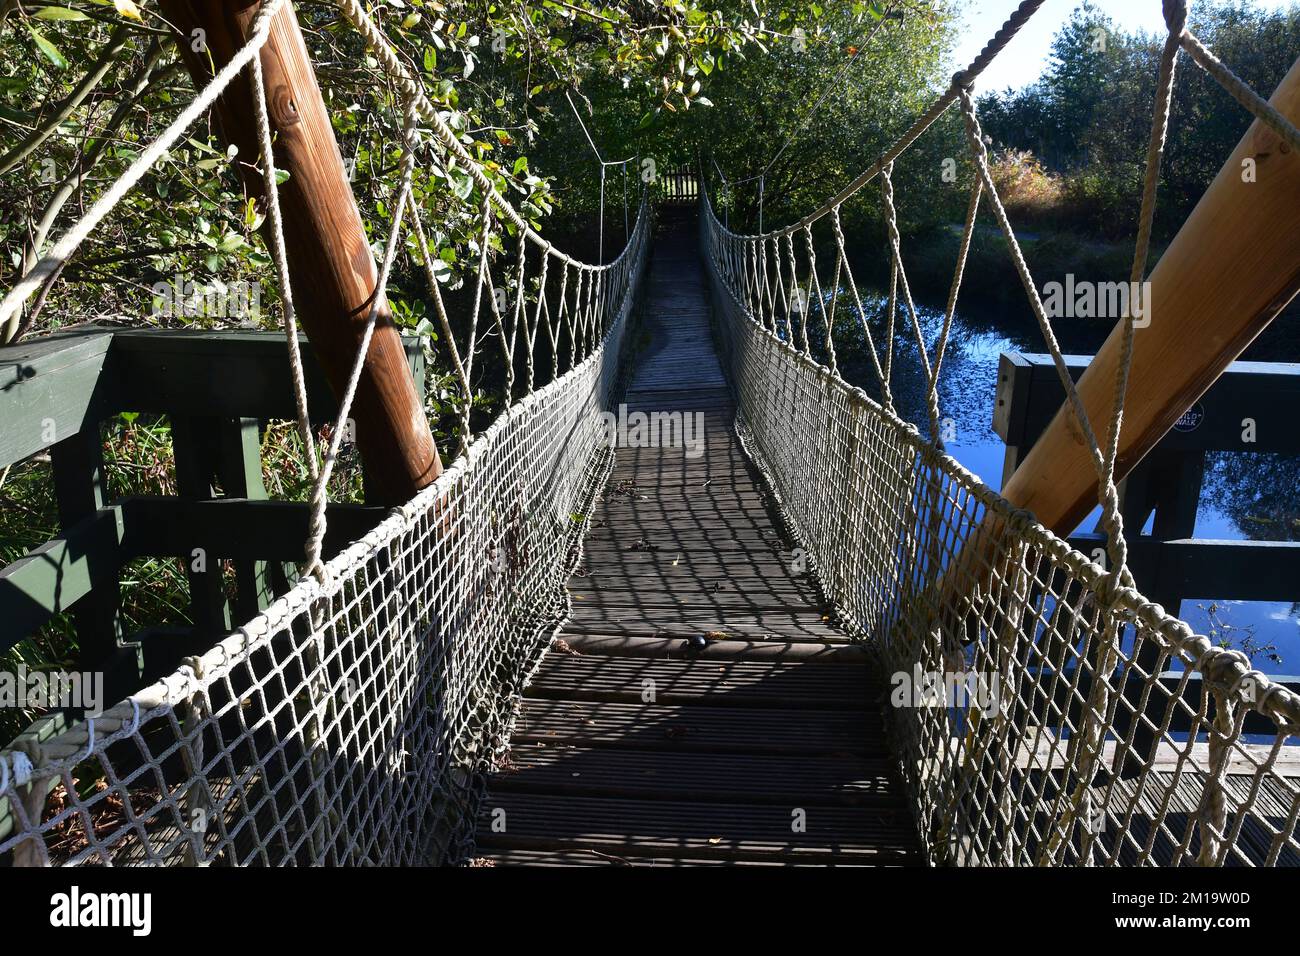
(196, 448)
(222, 453)
(239, 468)
(81, 489)
(1168, 483)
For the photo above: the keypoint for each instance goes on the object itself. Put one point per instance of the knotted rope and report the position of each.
(1090, 612)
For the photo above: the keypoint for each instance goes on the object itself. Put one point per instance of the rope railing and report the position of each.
(1119, 735)
(354, 719)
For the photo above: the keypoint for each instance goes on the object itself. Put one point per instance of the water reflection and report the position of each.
(1244, 496)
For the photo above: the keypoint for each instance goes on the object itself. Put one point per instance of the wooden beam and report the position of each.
(239, 529)
(331, 267)
(1029, 394)
(239, 374)
(1209, 568)
(50, 389)
(1232, 267)
(87, 556)
(62, 571)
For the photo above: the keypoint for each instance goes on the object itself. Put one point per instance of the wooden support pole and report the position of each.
(81, 490)
(1230, 270)
(331, 267)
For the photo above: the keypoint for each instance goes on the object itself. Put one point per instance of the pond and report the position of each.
(1244, 496)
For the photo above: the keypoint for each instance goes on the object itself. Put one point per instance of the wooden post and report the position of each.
(331, 267)
(81, 490)
(1232, 267)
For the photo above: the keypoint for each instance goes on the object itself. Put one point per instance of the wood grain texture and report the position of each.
(331, 267)
(1232, 267)
(635, 746)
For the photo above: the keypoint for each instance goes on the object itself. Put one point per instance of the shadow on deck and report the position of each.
(766, 745)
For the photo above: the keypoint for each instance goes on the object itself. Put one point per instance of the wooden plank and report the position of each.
(655, 610)
(761, 563)
(667, 648)
(707, 682)
(53, 577)
(229, 374)
(239, 469)
(701, 729)
(51, 389)
(240, 529)
(81, 488)
(1244, 759)
(679, 828)
(579, 856)
(841, 780)
(782, 629)
(1209, 568)
(1029, 394)
(196, 446)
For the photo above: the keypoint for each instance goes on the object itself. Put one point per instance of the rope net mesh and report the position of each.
(1044, 712)
(349, 723)
(1029, 764)
(353, 720)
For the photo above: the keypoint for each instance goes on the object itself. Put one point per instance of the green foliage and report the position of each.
(865, 90)
(85, 85)
(1089, 116)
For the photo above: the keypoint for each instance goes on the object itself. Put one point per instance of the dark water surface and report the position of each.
(1244, 497)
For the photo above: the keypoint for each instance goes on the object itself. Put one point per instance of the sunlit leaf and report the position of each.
(59, 13)
(48, 49)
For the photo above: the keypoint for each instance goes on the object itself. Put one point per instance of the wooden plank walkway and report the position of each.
(766, 745)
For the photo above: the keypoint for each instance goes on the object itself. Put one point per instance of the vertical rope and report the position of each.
(196, 799)
(541, 314)
(895, 245)
(601, 256)
(886, 394)
(320, 494)
(1212, 812)
(444, 321)
(280, 256)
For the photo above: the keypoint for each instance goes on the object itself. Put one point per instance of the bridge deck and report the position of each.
(765, 746)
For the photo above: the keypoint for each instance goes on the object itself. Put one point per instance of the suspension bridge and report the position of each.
(565, 648)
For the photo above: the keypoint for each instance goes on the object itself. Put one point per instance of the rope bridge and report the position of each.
(352, 721)
(355, 720)
(1075, 761)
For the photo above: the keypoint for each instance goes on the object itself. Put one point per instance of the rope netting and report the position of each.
(353, 720)
(1064, 718)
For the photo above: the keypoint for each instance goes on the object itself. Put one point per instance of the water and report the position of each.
(1244, 497)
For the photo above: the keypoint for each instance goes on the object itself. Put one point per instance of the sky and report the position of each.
(1025, 56)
